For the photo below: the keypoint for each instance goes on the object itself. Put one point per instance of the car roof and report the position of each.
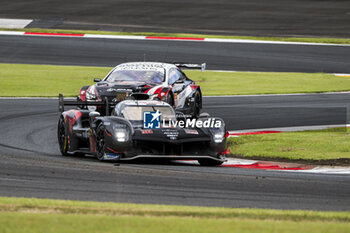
(144, 65)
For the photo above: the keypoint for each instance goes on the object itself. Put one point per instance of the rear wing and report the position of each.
(106, 103)
(78, 103)
(191, 66)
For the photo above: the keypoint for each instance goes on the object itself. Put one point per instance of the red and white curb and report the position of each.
(216, 40)
(264, 165)
(275, 166)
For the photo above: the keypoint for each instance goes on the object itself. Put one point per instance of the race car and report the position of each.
(161, 81)
(141, 128)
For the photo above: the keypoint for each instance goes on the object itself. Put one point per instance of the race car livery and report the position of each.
(161, 81)
(141, 128)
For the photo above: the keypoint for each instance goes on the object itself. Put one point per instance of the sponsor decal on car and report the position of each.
(171, 134)
(193, 123)
(191, 131)
(111, 156)
(146, 131)
(151, 120)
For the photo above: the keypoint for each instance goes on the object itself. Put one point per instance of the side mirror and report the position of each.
(179, 81)
(94, 114)
(96, 80)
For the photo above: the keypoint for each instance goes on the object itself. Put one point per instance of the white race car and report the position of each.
(161, 81)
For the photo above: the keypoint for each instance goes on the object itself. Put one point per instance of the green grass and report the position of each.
(43, 215)
(48, 80)
(321, 145)
(289, 39)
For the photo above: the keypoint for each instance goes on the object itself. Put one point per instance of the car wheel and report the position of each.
(100, 142)
(197, 105)
(209, 162)
(62, 137)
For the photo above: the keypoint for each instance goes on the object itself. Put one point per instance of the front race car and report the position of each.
(125, 135)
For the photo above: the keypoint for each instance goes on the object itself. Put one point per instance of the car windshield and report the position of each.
(147, 76)
(135, 113)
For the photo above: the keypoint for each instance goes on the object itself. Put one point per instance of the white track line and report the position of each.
(14, 23)
(115, 37)
(11, 33)
(342, 75)
(326, 170)
(267, 42)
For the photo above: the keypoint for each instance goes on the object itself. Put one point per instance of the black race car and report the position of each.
(161, 81)
(141, 128)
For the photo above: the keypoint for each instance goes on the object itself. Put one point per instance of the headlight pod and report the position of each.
(218, 137)
(121, 132)
(121, 136)
(218, 134)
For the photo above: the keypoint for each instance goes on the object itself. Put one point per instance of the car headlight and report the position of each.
(121, 136)
(121, 132)
(218, 138)
(218, 133)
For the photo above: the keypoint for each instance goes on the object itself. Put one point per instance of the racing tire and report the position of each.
(62, 137)
(209, 162)
(170, 99)
(100, 142)
(197, 105)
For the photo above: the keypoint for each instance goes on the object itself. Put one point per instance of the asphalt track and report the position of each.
(235, 17)
(221, 56)
(31, 166)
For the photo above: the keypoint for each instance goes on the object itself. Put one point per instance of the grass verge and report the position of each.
(313, 146)
(49, 80)
(287, 39)
(44, 215)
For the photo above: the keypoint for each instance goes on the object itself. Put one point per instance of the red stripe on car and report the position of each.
(108, 133)
(113, 151)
